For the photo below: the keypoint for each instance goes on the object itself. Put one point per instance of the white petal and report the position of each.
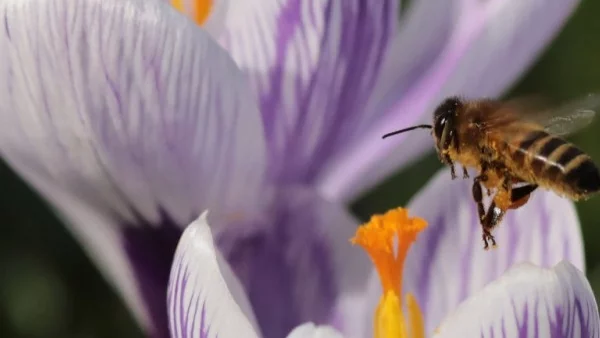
(199, 299)
(310, 330)
(121, 113)
(128, 107)
(528, 302)
(447, 264)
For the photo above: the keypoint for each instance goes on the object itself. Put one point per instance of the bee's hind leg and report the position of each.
(506, 198)
(484, 218)
(492, 218)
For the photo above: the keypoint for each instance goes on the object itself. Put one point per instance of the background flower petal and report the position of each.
(488, 46)
(528, 301)
(199, 299)
(447, 263)
(313, 65)
(297, 264)
(310, 330)
(142, 115)
(130, 121)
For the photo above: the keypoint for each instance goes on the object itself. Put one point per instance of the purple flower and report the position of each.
(131, 120)
(205, 299)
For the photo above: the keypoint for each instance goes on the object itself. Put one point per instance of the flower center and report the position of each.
(386, 239)
(199, 9)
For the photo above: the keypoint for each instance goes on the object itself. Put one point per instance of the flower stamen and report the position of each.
(386, 239)
(200, 9)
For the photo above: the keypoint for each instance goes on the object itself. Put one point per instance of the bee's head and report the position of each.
(444, 122)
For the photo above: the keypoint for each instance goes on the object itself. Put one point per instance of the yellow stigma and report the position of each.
(386, 239)
(199, 11)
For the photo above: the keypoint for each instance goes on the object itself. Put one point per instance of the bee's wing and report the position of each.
(572, 116)
(560, 121)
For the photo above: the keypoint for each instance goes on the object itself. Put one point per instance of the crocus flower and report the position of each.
(205, 299)
(131, 120)
(526, 301)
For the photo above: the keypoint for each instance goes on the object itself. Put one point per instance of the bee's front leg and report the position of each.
(465, 172)
(449, 162)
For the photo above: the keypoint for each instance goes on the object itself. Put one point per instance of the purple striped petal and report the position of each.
(528, 301)
(489, 44)
(297, 265)
(314, 66)
(124, 115)
(170, 122)
(199, 299)
(310, 330)
(447, 264)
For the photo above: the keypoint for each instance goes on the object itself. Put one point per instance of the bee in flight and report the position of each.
(515, 148)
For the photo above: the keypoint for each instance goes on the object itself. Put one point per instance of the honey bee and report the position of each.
(515, 148)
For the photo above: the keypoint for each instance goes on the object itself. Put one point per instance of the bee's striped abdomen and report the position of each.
(559, 162)
(582, 173)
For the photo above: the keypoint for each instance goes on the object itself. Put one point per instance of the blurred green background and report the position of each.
(49, 288)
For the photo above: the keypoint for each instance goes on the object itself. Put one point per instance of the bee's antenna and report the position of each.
(425, 126)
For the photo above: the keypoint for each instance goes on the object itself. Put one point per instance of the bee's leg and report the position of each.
(521, 195)
(488, 237)
(448, 161)
(503, 197)
(495, 213)
(465, 172)
(476, 190)
(492, 218)
(478, 197)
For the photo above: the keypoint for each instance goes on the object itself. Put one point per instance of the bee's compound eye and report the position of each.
(444, 113)
(447, 108)
(438, 127)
